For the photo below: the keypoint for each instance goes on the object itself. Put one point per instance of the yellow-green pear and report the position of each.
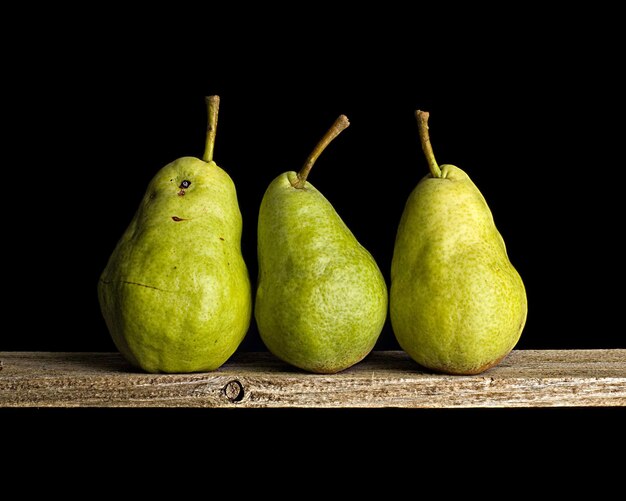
(175, 293)
(457, 304)
(321, 300)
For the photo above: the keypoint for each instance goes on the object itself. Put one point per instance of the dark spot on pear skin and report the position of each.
(221, 238)
(177, 219)
(183, 186)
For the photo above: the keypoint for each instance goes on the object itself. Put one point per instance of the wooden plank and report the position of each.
(528, 378)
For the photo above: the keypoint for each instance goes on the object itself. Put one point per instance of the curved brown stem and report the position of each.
(422, 124)
(340, 124)
(213, 108)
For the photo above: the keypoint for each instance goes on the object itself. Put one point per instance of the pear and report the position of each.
(457, 304)
(175, 293)
(321, 299)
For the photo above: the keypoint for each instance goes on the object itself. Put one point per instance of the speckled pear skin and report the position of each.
(457, 304)
(175, 293)
(321, 300)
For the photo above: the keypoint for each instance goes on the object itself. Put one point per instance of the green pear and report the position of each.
(321, 300)
(175, 293)
(457, 304)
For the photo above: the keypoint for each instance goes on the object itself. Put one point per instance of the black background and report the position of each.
(529, 106)
(530, 129)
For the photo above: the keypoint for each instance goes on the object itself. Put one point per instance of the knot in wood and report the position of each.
(234, 391)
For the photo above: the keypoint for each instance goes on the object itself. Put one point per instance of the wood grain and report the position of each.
(528, 378)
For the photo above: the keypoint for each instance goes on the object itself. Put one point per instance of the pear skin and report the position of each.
(321, 300)
(457, 304)
(175, 293)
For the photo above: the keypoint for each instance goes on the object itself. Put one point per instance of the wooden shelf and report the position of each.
(528, 378)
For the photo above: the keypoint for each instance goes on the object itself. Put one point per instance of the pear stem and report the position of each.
(340, 124)
(422, 124)
(213, 108)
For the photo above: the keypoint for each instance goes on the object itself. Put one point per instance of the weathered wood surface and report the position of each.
(529, 378)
